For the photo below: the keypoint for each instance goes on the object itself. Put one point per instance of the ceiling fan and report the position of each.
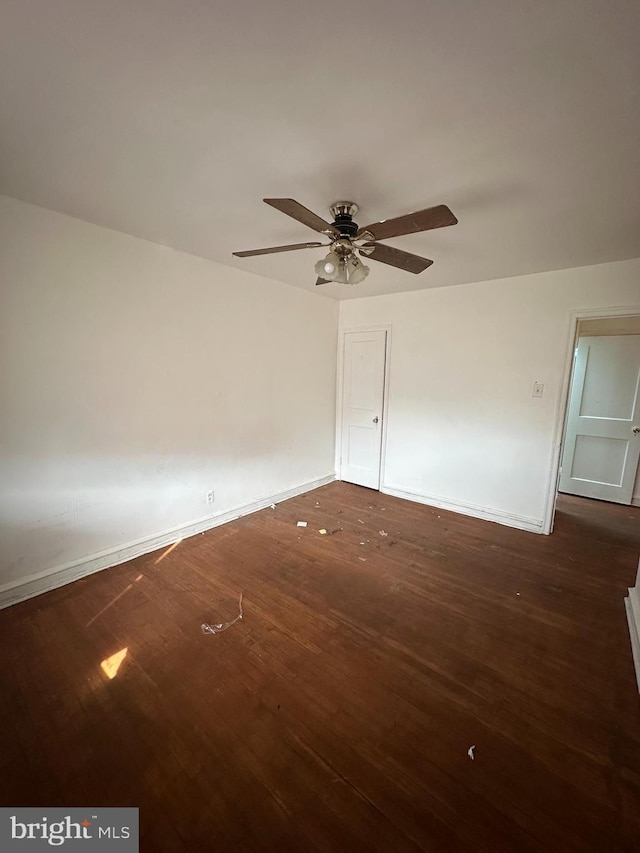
(342, 263)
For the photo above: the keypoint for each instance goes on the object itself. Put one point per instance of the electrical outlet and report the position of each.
(538, 388)
(210, 496)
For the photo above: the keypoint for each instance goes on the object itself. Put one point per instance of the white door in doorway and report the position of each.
(362, 404)
(602, 439)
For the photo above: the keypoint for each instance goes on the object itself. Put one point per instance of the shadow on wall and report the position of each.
(53, 513)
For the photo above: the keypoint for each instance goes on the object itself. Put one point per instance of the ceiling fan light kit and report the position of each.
(342, 264)
(343, 270)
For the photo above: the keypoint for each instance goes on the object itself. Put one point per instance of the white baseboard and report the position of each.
(632, 606)
(522, 522)
(635, 500)
(35, 584)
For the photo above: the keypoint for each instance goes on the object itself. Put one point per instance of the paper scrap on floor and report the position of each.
(301, 524)
(470, 752)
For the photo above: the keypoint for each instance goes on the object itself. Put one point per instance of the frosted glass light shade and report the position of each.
(356, 270)
(329, 267)
(342, 277)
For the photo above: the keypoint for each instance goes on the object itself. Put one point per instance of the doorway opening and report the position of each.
(599, 449)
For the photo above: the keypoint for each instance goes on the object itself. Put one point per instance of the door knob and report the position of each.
(636, 430)
(375, 420)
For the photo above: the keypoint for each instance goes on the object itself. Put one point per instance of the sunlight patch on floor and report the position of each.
(167, 552)
(111, 665)
(113, 601)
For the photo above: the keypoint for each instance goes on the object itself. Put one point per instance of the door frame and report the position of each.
(562, 406)
(382, 327)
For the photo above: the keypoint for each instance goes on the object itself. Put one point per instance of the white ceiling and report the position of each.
(172, 119)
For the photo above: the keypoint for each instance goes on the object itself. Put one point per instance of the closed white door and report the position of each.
(362, 400)
(602, 441)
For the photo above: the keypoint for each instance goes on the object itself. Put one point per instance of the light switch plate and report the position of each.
(538, 388)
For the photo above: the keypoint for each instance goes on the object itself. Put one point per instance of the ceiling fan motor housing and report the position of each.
(343, 213)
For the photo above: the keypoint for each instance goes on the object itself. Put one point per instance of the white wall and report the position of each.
(134, 378)
(463, 429)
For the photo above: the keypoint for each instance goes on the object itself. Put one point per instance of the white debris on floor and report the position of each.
(222, 626)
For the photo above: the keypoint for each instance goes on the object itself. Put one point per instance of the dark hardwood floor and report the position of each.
(338, 714)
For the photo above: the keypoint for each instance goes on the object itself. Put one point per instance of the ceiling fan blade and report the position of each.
(397, 258)
(296, 210)
(274, 249)
(322, 281)
(422, 220)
